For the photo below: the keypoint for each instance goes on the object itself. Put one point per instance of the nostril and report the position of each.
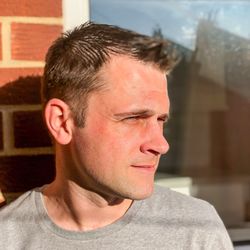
(153, 152)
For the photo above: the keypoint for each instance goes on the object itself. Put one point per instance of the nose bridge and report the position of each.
(155, 140)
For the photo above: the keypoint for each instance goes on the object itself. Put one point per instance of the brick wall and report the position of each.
(27, 28)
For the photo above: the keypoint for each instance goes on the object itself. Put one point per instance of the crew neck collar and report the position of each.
(115, 227)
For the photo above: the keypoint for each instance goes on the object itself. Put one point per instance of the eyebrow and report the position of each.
(141, 112)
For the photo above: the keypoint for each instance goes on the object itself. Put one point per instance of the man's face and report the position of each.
(118, 150)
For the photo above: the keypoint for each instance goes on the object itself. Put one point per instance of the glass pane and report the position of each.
(209, 91)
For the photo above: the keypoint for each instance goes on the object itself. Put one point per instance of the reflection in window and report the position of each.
(209, 92)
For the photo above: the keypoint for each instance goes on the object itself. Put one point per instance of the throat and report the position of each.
(71, 212)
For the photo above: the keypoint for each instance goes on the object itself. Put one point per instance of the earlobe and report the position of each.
(58, 120)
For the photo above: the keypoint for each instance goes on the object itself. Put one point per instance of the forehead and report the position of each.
(126, 73)
(132, 84)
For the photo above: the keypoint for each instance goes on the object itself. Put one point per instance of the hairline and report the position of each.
(100, 85)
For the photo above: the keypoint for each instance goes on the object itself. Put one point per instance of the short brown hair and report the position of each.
(74, 60)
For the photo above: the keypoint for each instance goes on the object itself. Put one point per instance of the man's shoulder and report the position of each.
(176, 205)
(170, 196)
(20, 222)
(19, 208)
(173, 214)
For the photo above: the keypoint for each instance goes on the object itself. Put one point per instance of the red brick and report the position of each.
(36, 8)
(30, 130)
(0, 41)
(9, 75)
(21, 173)
(1, 131)
(24, 90)
(31, 41)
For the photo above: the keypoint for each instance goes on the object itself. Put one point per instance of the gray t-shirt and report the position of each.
(166, 220)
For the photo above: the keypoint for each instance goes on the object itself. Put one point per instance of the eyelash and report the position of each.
(132, 118)
(142, 117)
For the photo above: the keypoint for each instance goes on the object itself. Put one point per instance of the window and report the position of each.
(209, 91)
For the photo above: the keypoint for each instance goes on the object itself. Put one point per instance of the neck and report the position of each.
(72, 207)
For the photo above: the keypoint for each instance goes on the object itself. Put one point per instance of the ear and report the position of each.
(59, 121)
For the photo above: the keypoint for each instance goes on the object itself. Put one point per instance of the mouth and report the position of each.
(146, 167)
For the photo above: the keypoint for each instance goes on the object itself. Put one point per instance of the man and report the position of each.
(105, 102)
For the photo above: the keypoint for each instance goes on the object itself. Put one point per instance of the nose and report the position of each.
(155, 142)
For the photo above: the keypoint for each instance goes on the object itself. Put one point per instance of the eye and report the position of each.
(132, 118)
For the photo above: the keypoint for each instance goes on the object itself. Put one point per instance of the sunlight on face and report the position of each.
(118, 151)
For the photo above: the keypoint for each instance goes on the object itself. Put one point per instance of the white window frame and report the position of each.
(75, 12)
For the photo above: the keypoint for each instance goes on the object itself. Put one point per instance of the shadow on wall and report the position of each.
(24, 90)
(26, 158)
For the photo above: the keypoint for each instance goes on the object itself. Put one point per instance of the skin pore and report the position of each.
(104, 166)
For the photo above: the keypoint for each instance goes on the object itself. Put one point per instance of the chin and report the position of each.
(132, 190)
(141, 193)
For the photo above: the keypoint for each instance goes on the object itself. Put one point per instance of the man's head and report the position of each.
(75, 59)
(106, 100)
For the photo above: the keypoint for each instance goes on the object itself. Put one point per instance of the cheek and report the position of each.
(117, 147)
(117, 139)
(125, 141)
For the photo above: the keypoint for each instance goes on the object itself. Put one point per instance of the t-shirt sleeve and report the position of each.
(220, 239)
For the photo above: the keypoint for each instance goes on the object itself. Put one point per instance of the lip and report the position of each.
(146, 167)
